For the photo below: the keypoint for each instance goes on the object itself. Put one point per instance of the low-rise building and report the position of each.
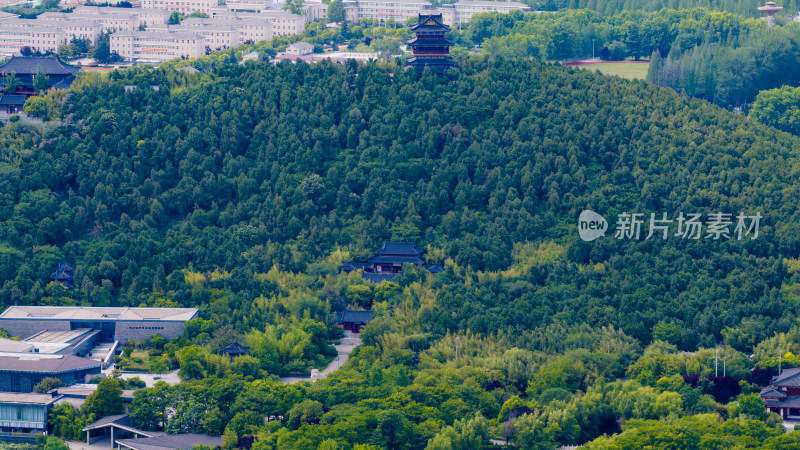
(25, 68)
(184, 6)
(22, 372)
(114, 323)
(452, 14)
(300, 48)
(315, 10)
(25, 413)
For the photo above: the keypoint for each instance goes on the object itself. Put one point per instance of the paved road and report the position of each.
(344, 347)
(149, 379)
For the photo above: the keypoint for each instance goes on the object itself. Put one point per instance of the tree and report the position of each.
(148, 406)
(464, 434)
(385, 47)
(336, 12)
(307, 411)
(54, 443)
(294, 6)
(35, 106)
(12, 83)
(159, 365)
(107, 399)
(191, 361)
(102, 49)
(48, 384)
(175, 18)
(40, 81)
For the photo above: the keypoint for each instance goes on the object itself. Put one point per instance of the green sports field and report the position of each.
(625, 70)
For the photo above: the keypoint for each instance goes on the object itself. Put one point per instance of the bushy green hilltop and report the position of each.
(241, 190)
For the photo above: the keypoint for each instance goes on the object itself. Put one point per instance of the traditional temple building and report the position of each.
(389, 262)
(25, 68)
(430, 47)
(235, 349)
(783, 394)
(63, 274)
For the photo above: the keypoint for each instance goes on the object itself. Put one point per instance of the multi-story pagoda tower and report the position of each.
(430, 47)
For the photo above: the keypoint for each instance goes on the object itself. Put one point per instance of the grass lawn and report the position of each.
(630, 71)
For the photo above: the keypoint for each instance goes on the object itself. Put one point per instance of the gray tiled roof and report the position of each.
(353, 316)
(172, 442)
(791, 402)
(789, 377)
(45, 363)
(400, 249)
(120, 419)
(771, 392)
(385, 259)
(9, 99)
(29, 65)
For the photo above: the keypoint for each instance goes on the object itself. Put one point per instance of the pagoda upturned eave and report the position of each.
(417, 42)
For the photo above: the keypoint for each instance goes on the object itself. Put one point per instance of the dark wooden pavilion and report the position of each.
(236, 349)
(62, 273)
(430, 46)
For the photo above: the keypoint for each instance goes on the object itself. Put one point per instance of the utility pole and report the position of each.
(592, 48)
(716, 364)
(780, 360)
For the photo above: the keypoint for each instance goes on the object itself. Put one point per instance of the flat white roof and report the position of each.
(97, 313)
(27, 399)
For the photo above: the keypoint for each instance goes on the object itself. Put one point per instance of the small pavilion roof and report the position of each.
(236, 349)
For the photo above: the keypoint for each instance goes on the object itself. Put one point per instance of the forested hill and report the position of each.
(254, 166)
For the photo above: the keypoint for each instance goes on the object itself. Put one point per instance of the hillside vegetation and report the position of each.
(240, 190)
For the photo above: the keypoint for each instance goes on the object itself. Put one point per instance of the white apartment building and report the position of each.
(402, 10)
(285, 24)
(315, 10)
(50, 30)
(13, 37)
(244, 29)
(463, 11)
(156, 47)
(184, 6)
(382, 10)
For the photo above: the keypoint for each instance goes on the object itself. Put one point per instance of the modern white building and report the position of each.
(157, 47)
(184, 6)
(300, 49)
(402, 10)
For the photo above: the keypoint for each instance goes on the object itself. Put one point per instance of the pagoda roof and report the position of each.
(421, 60)
(436, 268)
(789, 377)
(11, 99)
(430, 22)
(236, 349)
(400, 249)
(391, 259)
(429, 42)
(770, 391)
(354, 316)
(29, 65)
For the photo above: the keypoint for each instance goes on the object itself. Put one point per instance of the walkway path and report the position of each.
(344, 347)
